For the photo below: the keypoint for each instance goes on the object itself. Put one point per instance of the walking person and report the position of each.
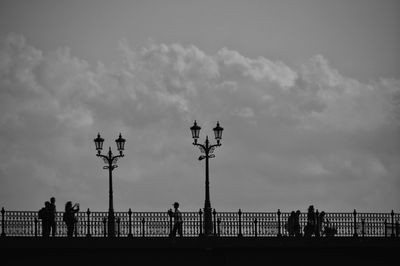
(178, 222)
(52, 217)
(69, 217)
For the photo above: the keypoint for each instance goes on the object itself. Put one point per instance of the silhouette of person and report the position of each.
(52, 216)
(309, 229)
(291, 221)
(44, 215)
(296, 224)
(178, 222)
(69, 217)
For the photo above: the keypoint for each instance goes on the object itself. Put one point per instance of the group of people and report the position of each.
(48, 216)
(316, 224)
(293, 227)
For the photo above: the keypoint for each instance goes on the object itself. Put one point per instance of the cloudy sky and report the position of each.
(308, 92)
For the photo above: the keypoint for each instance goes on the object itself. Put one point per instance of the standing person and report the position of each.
(44, 215)
(290, 223)
(52, 216)
(309, 229)
(177, 220)
(69, 217)
(296, 224)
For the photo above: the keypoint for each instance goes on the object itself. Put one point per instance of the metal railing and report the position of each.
(225, 224)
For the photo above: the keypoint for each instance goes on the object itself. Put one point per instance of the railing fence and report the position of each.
(225, 224)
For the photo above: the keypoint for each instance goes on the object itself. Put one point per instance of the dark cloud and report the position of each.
(292, 135)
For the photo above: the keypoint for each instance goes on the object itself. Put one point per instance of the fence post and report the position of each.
(118, 226)
(105, 226)
(200, 223)
(143, 222)
(355, 234)
(392, 216)
(397, 229)
(317, 223)
(240, 223)
(36, 229)
(214, 222)
(88, 223)
(363, 227)
(3, 222)
(279, 223)
(170, 222)
(219, 226)
(130, 223)
(255, 227)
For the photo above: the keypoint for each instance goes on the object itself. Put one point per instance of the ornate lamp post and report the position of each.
(110, 162)
(207, 149)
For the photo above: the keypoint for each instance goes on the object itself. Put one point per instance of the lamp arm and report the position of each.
(201, 145)
(103, 156)
(117, 156)
(214, 145)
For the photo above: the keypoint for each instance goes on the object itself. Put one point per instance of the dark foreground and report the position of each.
(200, 251)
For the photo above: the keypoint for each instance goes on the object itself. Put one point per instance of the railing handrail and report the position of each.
(240, 223)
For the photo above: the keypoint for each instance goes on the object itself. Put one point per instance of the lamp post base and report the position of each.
(111, 224)
(208, 226)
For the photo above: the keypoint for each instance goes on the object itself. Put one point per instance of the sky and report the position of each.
(307, 91)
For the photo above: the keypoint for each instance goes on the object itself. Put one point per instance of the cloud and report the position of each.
(293, 135)
(258, 69)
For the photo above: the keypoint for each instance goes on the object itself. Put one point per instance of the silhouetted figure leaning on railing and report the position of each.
(69, 217)
(178, 222)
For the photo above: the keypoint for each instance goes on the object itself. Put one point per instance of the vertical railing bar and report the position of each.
(105, 227)
(88, 223)
(130, 223)
(143, 229)
(3, 222)
(355, 223)
(279, 223)
(240, 223)
(214, 222)
(392, 216)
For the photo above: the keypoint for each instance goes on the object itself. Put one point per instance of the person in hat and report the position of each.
(178, 222)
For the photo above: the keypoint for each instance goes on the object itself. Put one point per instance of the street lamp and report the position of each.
(110, 162)
(207, 149)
